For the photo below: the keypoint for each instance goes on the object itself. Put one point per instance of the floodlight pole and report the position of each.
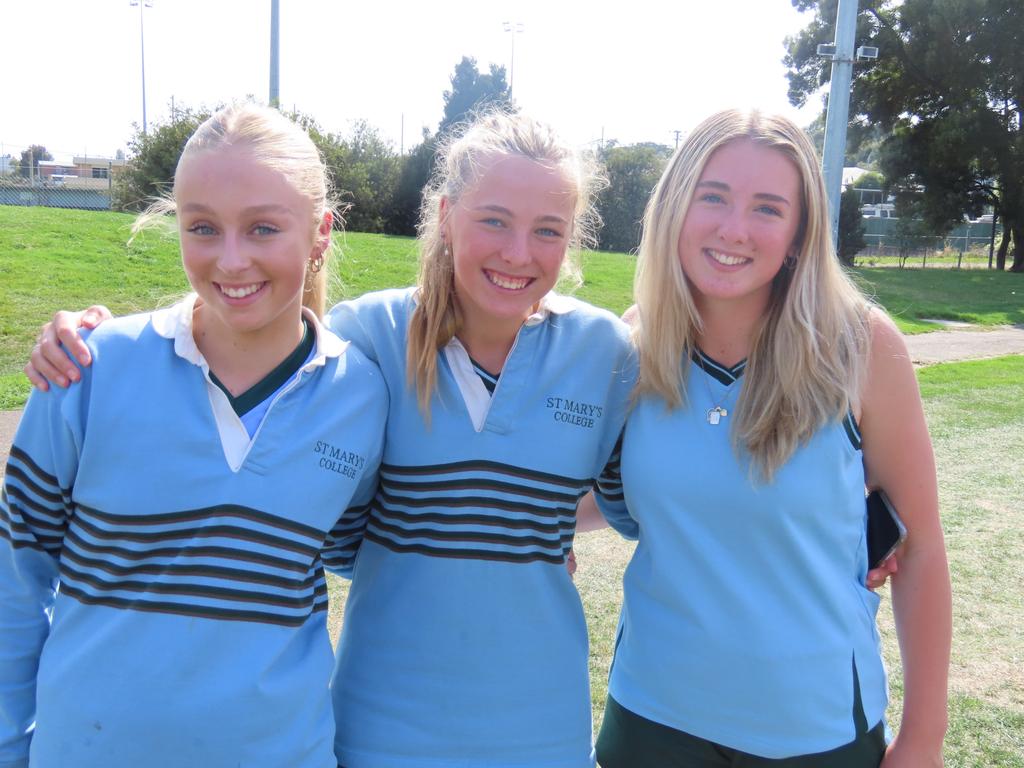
(275, 53)
(516, 28)
(838, 108)
(142, 48)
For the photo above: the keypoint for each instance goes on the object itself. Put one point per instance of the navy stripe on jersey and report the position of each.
(852, 430)
(481, 510)
(722, 373)
(224, 562)
(609, 484)
(489, 379)
(34, 508)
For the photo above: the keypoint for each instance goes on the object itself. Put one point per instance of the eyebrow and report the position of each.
(255, 209)
(505, 211)
(759, 195)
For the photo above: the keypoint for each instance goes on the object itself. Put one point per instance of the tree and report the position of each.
(149, 172)
(472, 91)
(363, 169)
(851, 226)
(412, 178)
(948, 89)
(632, 173)
(29, 164)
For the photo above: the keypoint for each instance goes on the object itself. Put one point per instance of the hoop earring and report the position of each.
(316, 263)
(790, 261)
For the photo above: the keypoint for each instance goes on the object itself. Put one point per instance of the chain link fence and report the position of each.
(889, 243)
(79, 182)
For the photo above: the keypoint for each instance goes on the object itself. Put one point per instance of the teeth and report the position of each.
(241, 293)
(511, 284)
(726, 259)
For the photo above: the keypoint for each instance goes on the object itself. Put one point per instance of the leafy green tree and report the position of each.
(472, 91)
(851, 226)
(153, 158)
(30, 157)
(632, 173)
(363, 169)
(947, 89)
(413, 176)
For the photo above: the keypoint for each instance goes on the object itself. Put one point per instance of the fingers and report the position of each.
(65, 327)
(570, 563)
(95, 315)
(49, 363)
(38, 381)
(878, 576)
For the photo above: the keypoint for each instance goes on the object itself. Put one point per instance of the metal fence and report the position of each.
(65, 191)
(968, 245)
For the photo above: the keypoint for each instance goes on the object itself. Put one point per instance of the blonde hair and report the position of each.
(809, 355)
(280, 145)
(461, 160)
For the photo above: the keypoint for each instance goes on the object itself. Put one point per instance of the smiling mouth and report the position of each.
(725, 259)
(240, 291)
(507, 282)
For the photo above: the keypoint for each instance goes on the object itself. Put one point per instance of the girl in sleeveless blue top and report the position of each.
(771, 392)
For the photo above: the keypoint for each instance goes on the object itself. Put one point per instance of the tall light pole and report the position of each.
(838, 116)
(275, 53)
(516, 28)
(143, 4)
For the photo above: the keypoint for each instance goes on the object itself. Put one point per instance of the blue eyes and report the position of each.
(540, 231)
(711, 197)
(716, 199)
(206, 230)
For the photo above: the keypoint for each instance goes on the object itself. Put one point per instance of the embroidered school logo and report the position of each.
(574, 412)
(338, 460)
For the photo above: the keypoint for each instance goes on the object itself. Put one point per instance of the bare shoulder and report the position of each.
(888, 359)
(631, 316)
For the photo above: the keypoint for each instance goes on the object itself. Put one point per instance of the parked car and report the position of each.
(879, 211)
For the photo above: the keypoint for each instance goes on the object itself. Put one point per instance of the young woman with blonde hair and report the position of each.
(770, 393)
(165, 524)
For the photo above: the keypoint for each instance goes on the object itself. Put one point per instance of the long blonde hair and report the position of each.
(460, 161)
(809, 355)
(281, 145)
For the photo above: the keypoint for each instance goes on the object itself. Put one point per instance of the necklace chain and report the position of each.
(716, 413)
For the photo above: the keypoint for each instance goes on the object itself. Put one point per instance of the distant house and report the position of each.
(98, 167)
(85, 172)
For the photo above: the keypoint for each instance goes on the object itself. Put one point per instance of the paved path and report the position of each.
(925, 349)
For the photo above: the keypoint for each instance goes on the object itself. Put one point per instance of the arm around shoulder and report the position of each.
(898, 458)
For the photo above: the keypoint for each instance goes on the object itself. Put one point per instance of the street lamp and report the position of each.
(142, 47)
(516, 28)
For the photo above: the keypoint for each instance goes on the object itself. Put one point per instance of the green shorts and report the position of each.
(628, 740)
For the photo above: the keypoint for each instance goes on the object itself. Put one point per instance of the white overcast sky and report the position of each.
(629, 70)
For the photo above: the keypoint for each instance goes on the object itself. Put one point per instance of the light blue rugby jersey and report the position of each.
(744, 607)
(189, 627)
(464, 642)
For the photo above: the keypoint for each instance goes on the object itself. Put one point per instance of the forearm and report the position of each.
(923, 612)
(588, 516)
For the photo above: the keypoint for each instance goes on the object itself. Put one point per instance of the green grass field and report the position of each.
(52, 259)
(56, 258)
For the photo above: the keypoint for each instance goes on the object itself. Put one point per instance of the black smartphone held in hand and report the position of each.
(885, 529)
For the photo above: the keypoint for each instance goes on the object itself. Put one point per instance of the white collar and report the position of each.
(176, 323)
